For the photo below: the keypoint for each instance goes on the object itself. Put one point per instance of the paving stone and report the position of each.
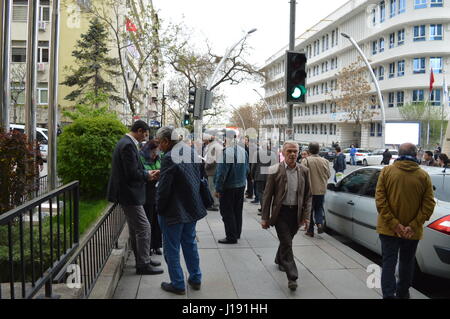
(315, 258)
(339, 256)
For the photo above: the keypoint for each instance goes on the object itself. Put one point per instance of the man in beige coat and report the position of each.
(287, 206)
(319, 169)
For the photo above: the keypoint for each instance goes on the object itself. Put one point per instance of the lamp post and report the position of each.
(377, 86)
(225, 57)
(271, 115)
(238, 113)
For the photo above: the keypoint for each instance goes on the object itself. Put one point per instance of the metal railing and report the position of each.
(36, 240)
(90, 258)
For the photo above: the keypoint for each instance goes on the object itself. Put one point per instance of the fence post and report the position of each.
(76, 214)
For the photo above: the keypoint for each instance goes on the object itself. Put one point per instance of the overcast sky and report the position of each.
(224, 22)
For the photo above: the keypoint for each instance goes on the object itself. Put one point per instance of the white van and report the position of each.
(41, 136)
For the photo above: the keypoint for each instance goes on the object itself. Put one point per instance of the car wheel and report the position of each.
(365, 162)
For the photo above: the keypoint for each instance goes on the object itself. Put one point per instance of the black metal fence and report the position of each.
(36, 240)
(91, 256)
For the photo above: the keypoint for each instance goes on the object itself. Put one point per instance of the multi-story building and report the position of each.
(75, 22)
(403, 39)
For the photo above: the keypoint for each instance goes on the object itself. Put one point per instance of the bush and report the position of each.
(18, 171)
(85, 152)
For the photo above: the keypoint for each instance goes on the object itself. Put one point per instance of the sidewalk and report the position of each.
(327, 268)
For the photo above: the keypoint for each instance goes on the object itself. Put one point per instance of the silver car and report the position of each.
(351, 211)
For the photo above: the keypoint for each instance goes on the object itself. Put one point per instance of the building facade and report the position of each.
(403, 40)
(74, 21)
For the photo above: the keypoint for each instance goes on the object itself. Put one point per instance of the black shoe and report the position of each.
(255, 201)
(320, 229)
(213, 209)
(155, 263)
(259, 210)
(309, 234)
(292, 284)
(194, 285)
(169, 288)
(148, 270)
(226, 241)
(407, 296)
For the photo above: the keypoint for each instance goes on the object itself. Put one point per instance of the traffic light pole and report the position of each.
(290, 106)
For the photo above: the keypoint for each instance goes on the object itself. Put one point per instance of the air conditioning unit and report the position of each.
(41, 67)
(42, 25)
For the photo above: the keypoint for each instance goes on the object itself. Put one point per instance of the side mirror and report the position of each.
(332, 187)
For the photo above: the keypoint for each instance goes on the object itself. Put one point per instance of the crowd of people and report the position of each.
(167, 185)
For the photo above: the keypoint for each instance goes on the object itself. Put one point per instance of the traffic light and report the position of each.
(192, 99)
(187, 120)
(200, 99)
(295, 77)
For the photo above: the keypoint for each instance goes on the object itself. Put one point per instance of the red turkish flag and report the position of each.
(431, 80)
(131, 26)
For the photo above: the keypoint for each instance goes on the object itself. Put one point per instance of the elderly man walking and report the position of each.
(405, 200)
(319, 169)
(179, 207)
(230, 179)
(287, 206)
(127, 187)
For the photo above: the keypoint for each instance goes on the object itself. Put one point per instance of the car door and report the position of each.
(365, 214)
(340, 203)
(374, 158)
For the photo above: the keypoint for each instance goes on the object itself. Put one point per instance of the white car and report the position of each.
(41, 136)
(375, 157)
(351, 211)
(360, 155)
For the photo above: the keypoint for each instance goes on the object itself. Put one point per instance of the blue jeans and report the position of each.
(173, 237)
(390, 248)
(352, 159)
(316, 212)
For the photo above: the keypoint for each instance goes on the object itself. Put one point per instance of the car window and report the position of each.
(394, 152)
(355, 182)
(41, 138)
(442, 185)
(372, 184)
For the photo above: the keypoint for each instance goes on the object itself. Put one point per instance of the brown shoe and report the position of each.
(309, 234)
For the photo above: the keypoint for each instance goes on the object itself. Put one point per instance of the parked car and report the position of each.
(41, 136)
(375, 157)
(350, 210)
(361, 154)
(328, 153)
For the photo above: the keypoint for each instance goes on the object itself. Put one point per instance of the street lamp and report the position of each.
(227, 54)
(238, 113)
(271, 115)
(377, 86)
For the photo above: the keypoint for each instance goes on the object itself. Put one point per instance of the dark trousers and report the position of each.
(231, 204)
(390, 248)
(316, 212)
(249, 191)
(139, 228)
(260, 185)
(286, 227)
(155, 234)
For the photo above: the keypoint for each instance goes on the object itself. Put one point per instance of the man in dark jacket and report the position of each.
(339, 164)
(179, 207)
(387, 156)
(127, 187)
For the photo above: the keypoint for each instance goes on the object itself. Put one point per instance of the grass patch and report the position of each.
(90, 211)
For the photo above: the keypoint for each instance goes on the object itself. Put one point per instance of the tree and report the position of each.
(94, 66)
(251, 115)
(353, 94)
(18, 75)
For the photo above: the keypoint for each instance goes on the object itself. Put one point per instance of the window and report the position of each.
(419, 65)
(391, 70)
(337, 37)
(393, 7)
(435, 97)
(391, 40)
(419, 33)
(401, 68)
(42, 94)
(381, 44)
(19, 51)
(372, 129)
(323, 44)
(435, 31)
(20, 10)
(400, 98)
(436, 64)
(374, 47)
(332, 37)
(372, 185)
(356, 182)
(44, 11)
(420, 4)
(374, 17)
(417, 96)
(436, 3)
(382, 11)
(327, 42)
(401, 6)
(379, 129)
(381, 73)
(43, 52)
(391, 99)
(401, 37)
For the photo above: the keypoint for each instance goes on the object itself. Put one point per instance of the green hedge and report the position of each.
(85, 153)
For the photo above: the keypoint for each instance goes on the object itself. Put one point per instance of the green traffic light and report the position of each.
(298, 91)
